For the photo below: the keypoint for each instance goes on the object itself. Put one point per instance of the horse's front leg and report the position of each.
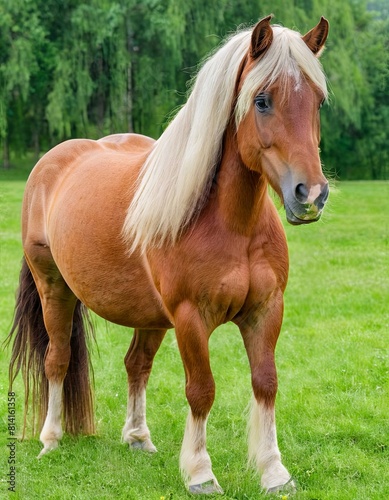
(260, 330)
(192, 339)
(138, 362)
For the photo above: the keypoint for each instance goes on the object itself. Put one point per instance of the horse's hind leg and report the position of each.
(58, 314)
(58, 305)
(58, 321)
(138, 362)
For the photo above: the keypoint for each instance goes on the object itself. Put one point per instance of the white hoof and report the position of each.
(289, 488)
(146, 445)
(276, 478)
(48, 446)
(138, 438)
(50, 437)
(207, 488)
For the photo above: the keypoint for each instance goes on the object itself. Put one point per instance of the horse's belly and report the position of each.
(118, 291)
(84, 224)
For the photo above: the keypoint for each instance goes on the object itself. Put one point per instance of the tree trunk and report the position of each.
(129, 97)
(101, 99)
(6, 160)
(37, 149)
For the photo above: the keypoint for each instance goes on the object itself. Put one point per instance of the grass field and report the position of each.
(332, 359)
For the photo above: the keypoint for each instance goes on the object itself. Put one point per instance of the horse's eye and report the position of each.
(262, 103)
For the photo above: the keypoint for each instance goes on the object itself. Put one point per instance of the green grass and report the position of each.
(332, 359)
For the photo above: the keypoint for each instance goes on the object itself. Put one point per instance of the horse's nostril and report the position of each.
(301, 193)
(322, 198)
(324, 193)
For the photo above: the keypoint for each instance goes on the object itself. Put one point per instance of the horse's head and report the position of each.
(280, 92)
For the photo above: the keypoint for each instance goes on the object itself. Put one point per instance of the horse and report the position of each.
(182, 233)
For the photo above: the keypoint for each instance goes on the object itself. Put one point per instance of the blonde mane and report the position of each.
(176, 177)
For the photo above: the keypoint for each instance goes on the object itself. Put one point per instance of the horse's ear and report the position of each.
(315, 39)
(261, 37)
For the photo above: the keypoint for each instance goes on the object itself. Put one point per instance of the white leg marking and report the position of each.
(135, 431)
(52, 428)
(263, 447)
(195, 463)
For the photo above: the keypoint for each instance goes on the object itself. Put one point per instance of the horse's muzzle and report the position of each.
(303, 205)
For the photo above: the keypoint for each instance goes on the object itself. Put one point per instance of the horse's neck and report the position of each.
(241, 194)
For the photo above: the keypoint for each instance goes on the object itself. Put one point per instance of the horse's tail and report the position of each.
(30, 342)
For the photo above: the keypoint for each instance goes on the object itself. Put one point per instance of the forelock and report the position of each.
(288, 57)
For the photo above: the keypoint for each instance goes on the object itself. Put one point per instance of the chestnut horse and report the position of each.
(176, 233)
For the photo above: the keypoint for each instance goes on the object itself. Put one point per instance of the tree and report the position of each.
(72, 69)
(21, 44)
(89, 86)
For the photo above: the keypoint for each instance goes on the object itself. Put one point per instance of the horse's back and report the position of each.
(66, 165)
(127, 142)
(72, 154)
(74, 207)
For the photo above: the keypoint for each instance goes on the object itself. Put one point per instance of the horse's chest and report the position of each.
(220, 284)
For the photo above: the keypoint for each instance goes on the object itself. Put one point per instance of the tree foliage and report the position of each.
(76, 68)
